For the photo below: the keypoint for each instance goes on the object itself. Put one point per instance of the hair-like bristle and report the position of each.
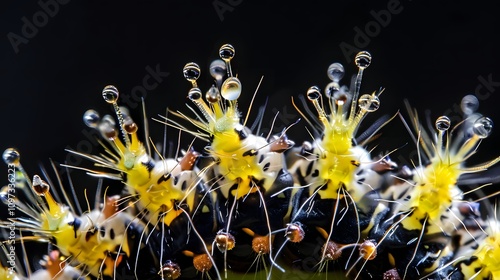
(249, 204)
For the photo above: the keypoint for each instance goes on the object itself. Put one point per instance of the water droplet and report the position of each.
(107, 127)
(313, 93)
(218, 69)
(194, 94)
(226, 52)
(469, 104)
(91, 118)
(11, 156)
(335, 71)
(213, 94)
(191, 71)
(129, 125)
(40, 186)
(4, 195)
(363, 59)
(443, 123)
(110, 94)
(171, 270)
(331, 88)
(369, 102)
(231, 88)
(483, 127)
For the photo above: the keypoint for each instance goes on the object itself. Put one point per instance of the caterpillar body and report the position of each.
(95, 241)
(256, 205)
(248, 176)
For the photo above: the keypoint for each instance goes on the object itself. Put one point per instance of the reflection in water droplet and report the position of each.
(11, 156)
(369, 102)
(313, 93)
(231, 88)
(226, 52)
(335, 71)
(363, 59)
(213, 94)
(91, 118)
(218, 69)
(443, 123)
(110, 94)
(191, 71)
(469, 104)
(331, 88)
(483, 127)
(194, 94)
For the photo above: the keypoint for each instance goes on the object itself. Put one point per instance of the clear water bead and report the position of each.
(91, 118)
(335, 71)
(213, 94)
(443, 123)
(11, 156)
(483, 127)
(369, 102)
(313, 93)
(231, 88)
(6, 198)
(218, 69)
(331, 88)
(469, 104)
(191, 71)
(194, 93)
(363, 59)
(110, 94)
(226, 52)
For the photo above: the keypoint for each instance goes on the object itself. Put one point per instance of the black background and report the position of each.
(432, 53)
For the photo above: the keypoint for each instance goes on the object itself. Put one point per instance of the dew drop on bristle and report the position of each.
(110, 94)
(363, 59)
(4, 196)
(369, 102)
(469, 104)
(129, 125)
(313, 93)
(218, 69)
(483, 127)
(91, 118)
(191, 72)
(226, 52)
(194, 94)
(443, 123)
(11, 156)
(213, 95)
(231, 88)
(335, 72)
(40, 186)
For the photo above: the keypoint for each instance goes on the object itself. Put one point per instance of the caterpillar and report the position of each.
(95, 241)
(254, 204)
